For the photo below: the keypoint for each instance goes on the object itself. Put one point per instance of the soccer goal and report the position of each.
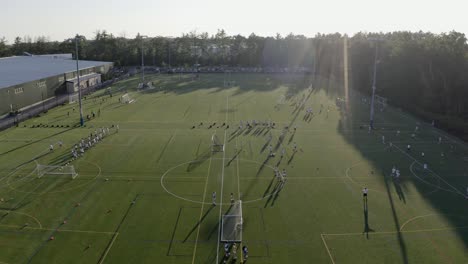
(231, 226)
(381, 102)
(216, 145)
(42, 170)
(126, 99)
(73, 98)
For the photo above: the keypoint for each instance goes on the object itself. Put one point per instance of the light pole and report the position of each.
(142, 63)
(371, 121)
(78, 82)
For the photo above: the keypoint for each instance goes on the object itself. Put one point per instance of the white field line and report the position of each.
(326, 247)
(435, 174)
(201, 212)
(436, 130)
(239, 193)
(395, 232)
(222, 183)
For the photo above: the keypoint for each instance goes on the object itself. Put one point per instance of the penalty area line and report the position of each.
(326, 247)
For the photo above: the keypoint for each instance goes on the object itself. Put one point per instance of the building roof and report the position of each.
(21, 69)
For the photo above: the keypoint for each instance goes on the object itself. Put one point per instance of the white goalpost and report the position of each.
(69, 170)
(216, 145)
(231, 226)
(73, 98)
(381, 102)
(126, 99)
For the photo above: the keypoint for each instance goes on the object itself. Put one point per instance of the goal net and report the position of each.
(42, 170)
(381, 102)
(150, 85)
(231, 226)
(126, 99)
(216, 145)
(73, 98)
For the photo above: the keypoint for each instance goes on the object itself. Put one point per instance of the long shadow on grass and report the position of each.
(233, 158)
(200, 159)
(198, 223)
(450, 205)
(35, 141)
(401, 241)
(275, 193)
(367, 228)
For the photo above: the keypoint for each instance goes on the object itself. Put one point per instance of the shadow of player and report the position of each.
(367, 228)
(399, 190)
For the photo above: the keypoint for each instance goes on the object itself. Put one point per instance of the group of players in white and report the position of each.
(281, 177)
(253, 123)
(231, 248)
(93, 139)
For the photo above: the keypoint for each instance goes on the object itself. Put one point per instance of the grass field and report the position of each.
(144, 193)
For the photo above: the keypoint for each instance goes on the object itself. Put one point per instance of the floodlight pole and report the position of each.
(142, 62)
(373, 87)
(78, 81)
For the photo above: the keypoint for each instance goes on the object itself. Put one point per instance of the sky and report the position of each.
(61, 19)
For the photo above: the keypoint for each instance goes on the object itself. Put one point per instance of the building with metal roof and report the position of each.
(28, 80)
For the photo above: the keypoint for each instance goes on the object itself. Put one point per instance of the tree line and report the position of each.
(422, 72)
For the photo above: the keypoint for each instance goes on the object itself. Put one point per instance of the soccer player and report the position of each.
(425, 166)
(397, 174)
(408, 147)
(246, 252)
(232, 198)
(393, 171)
(234, 252)
(364, 193)
(295, 147)
(283, 178)
(51, 147)
(213, 196)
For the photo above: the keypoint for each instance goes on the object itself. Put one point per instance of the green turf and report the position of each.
(143, 195)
